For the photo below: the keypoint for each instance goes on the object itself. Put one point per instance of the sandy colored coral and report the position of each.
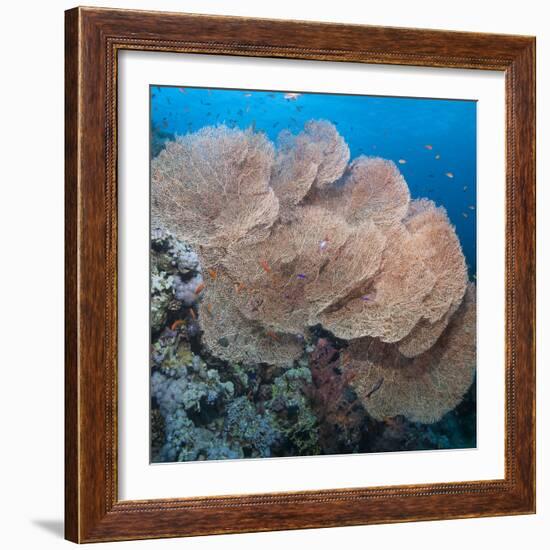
(212, 187)
(424, 335)
(422, 389)
(305, 266)
(422, 278)
(389, 305)
(372, 189)
(231, 336)
(316, 157)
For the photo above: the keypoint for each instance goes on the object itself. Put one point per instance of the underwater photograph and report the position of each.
(312, 274)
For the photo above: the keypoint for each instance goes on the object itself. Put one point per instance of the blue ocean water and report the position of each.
(433, 141)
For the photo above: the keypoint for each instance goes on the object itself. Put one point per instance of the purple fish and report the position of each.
(301, 276)
(368, 297)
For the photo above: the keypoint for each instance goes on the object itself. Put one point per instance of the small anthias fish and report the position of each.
(199, 288)
(402, 161)
(265, 266)
(213, 273)
(368, 297)
(239, 287)
(301, 276)
(437, 157)
(464, 214)
(449, 175)
(177, 324)
(429, 147)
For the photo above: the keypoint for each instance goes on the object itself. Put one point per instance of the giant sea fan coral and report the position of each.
(315, 157)
(229, 335)
(423, 388)
(212, 187)
(372, 189)
(295, 236)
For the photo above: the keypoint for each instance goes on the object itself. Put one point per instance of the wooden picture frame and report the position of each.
(93, 511)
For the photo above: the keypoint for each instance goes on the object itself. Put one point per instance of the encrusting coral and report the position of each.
(294, 236)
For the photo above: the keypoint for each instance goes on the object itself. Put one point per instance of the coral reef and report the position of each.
(295, 419)
(204, 408)
(256, 433)
(260, 243)
(342, 420)
(202, 413)
(175, 275)
(188, 392)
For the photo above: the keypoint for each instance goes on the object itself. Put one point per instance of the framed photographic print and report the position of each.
(300, 275)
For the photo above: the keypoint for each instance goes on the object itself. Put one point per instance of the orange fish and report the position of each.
(209, 308)
(429, 147)
(239, 287)
(193, 315)
(177, 324)
(272, 335)
(449, 175)
(265, 266)
(402, 161)
(199, 288)
(213, 273)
